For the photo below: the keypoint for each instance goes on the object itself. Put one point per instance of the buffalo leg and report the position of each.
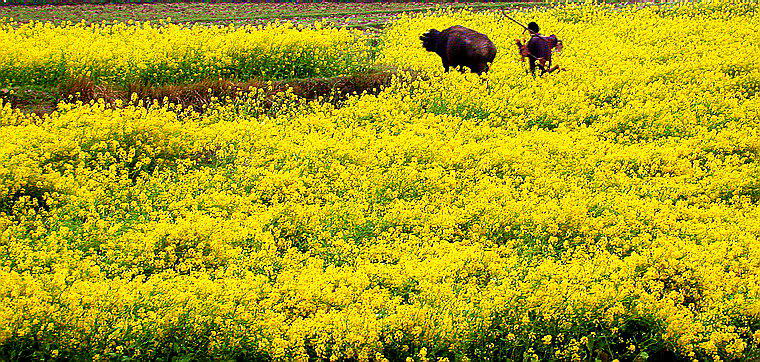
(479, 69)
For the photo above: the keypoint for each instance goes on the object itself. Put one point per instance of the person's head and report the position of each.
(533, 27)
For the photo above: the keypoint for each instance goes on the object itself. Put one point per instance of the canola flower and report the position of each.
(148, 53)
(611, 210)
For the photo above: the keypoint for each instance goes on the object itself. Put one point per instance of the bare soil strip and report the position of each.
(340, 14)
(197, 95)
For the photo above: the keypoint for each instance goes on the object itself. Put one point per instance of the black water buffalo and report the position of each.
(460, 47)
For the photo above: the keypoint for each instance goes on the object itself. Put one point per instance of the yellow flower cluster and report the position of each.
(147, 53)
(609, 211)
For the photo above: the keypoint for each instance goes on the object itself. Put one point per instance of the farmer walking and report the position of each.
(539, 50)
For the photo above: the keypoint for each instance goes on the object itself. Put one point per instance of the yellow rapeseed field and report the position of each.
(159, 53)
(609, 211)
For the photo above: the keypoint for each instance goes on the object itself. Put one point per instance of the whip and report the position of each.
(523, 26)
(516, 22)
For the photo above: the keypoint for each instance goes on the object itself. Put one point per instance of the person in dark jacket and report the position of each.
(460, 47)
(539, 50)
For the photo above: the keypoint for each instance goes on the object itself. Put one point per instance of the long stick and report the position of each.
(524, 27)
(516, 22)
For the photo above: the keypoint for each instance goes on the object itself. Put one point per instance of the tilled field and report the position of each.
(333, 14)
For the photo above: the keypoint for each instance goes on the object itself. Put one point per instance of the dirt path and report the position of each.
(197, 95)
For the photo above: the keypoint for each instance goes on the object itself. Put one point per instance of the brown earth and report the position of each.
(196, 95)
